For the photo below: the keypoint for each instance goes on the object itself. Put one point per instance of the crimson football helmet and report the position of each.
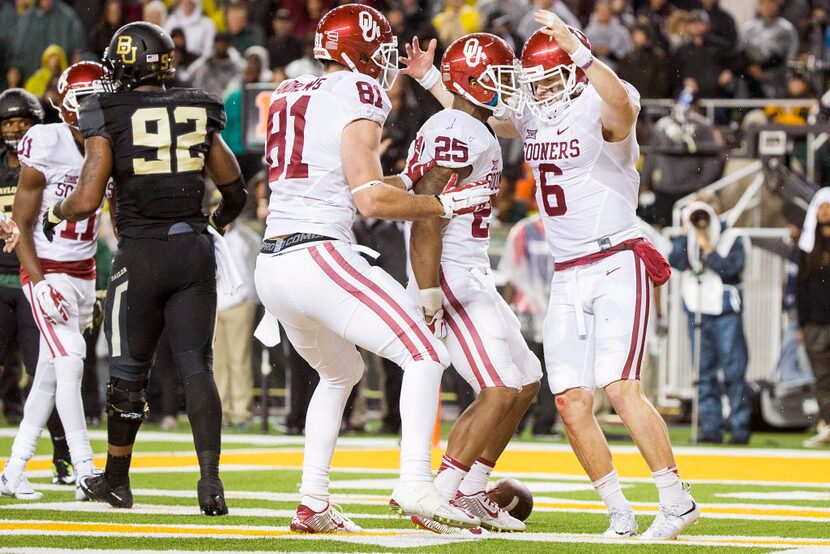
(544, 60)
(76, 83)
(483, 69)
(360, 38)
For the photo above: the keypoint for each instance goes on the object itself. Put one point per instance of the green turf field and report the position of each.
(779, 513)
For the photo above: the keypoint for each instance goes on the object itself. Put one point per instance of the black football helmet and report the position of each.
(16, 102)
(139, 54)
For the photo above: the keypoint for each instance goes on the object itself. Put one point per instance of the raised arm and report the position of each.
(618, 112)
(419, 64)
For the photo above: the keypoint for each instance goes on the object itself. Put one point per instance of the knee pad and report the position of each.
(127, 400)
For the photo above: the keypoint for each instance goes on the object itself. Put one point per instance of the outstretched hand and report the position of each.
(556, 28)
(417, 62)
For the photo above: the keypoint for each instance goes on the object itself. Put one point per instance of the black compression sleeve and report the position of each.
(234, 196)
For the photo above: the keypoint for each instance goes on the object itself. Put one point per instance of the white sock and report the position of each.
(36, 412)
(23, 448)
(610, 491)
(669, 486)
(419, 407)
(69, 371)
(477, 478)
(322, 425)
(449, 477)
(315, 502)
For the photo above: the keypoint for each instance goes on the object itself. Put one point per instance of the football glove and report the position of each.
(51, 219)
(212, 222)
(432, 301)
(415, 170)
(463, 199)
(52, 304)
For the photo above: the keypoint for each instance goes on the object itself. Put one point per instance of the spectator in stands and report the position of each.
(184, 59)
(306, 14)
(243, 34)
(798, 88)
(704, 63)
(528, 24)
(645, 66)
(515, 10)
(610, 40)
(813, 302)
(213, 73)
(49, 22)
(712, 259)
(499, 24)
(799, 13)
(402, 124)
(721, 23)
(456, 20)
(284, 47)
(306, 64)
(53, 62)
(100, 35)
(677, 29)
(198, 28)
(769, 42)
(656, 14)
(686, 153)
(527, 265)
(155, 12)
(14, 79)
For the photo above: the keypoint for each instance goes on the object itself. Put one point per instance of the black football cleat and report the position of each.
(96, 487)
(212, 497)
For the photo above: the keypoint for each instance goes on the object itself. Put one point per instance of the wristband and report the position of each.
(431, 77)
(582, 57)
(407, 182)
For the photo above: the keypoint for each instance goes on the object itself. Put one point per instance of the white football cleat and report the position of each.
(18, 486)
(441, 529)
(422, 499)
(329, 520)
(671, 520)
(492, 517)
(622, 524)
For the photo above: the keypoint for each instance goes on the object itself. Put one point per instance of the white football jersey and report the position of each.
(587, 188)
(456, 139)
(309, 193)
(52, 150)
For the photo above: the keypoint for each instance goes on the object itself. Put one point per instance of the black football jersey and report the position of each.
(159, 139)
(8, 185)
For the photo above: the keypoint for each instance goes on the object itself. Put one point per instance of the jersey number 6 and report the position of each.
(551, 191)
(159, 136)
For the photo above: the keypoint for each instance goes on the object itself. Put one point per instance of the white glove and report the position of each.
(464, 199)
(51, 302)
(432, 301)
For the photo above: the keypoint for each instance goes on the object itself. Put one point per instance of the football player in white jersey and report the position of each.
(58, 278)
(452, 269)
(578, 135)
(322, 149)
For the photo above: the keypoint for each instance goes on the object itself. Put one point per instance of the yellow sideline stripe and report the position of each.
(628, 464)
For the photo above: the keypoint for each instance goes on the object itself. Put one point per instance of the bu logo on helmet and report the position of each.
(125, 49)
(370, 27)
(473, 52)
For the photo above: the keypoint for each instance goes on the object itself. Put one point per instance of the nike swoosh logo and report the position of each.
(560, 131)
(609, 272)
(486, 509)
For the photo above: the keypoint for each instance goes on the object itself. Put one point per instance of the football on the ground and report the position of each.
(513, 496)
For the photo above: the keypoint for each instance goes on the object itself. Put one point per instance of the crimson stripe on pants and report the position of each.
(635, 331)
(368, 302)
(645, 326)
(385, 296)
(35, 309)
(465, 347)
(465, 318)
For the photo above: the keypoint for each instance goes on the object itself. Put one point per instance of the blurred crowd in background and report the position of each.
(682, 50)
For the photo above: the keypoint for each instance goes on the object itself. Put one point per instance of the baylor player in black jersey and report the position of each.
(157, 145)
(19, 111)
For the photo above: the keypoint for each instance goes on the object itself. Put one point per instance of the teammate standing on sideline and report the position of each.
(58, 276)
(323, 154)
(452, 270)
(157, 145)
(19, 111)
(578, 138)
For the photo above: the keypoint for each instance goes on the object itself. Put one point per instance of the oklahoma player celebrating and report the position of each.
(484, 339)
(58, 277)
(578, 138)
(322, 147)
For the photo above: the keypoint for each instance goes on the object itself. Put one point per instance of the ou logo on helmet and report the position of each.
(473, 52)
(370, 27)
